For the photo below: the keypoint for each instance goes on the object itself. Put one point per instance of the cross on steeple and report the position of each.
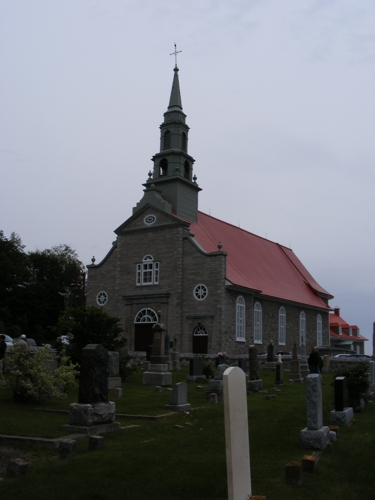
(175, 54)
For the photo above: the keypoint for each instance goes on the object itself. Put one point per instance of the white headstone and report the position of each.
(236, 434)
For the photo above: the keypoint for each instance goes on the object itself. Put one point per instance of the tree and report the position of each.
(31, 284)
(14, 276)
(89, 325)
(52, 272)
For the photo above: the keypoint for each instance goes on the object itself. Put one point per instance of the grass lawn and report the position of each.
(154, 459)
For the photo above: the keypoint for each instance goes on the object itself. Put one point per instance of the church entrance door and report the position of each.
(143, 336)
(143, 333)
(200, 340)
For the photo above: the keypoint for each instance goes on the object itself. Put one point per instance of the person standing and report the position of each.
(315, 361)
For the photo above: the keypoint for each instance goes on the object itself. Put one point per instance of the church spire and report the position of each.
(172, 178)
(175, 100)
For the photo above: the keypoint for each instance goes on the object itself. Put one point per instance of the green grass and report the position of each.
(154, 459)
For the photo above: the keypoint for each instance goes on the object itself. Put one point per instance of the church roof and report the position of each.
(259, 264)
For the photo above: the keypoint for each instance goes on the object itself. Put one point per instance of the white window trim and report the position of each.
(240, 319)
(147, 269)
(319, 330)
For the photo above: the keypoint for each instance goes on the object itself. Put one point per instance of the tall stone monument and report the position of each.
(315, 435)
(295, 374)
(93, 414)
(157, 372)
(270, 363)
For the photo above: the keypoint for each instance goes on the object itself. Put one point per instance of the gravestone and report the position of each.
(157, 372)
(93, 414)
(236, 434)
(279, 380)
(167, 351)
(270, 363)
(195, 369)
(221, 359)
(303, 365)
(178, 399)
(342, 414)
(176, 359)
(295, 374)
(114, 379)
(215, 386)
(315, 435)
(255, 384)
(242, 363)
(326, 364)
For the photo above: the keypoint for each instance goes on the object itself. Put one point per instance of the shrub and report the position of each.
(357, 382)
(127, 368)
(29, 378)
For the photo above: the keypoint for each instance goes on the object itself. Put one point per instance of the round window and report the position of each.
(102, 298)
(150, 219)
(200, 292)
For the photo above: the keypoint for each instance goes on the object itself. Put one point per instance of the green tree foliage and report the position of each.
(89, 325)
(357, 381)
(29, 378)
(14, 277)
(30, 286)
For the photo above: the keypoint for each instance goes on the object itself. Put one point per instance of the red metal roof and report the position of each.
(259, 264)
(335, 320)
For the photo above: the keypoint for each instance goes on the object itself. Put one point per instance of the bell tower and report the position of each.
(172, 178)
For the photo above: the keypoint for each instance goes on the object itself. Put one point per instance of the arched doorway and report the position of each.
(143, 323)
(200, 340)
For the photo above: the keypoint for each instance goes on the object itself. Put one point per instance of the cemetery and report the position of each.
(165, 433)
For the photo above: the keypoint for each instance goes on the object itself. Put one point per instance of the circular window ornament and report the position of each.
(150, 219)
(102, 298)
(200, 292)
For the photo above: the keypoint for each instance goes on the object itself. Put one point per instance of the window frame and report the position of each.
(319, 330)
(240, 319)
(147, 272)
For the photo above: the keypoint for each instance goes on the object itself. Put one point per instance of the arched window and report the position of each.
(282, 326)
(148, 271)
(257, 323)
(163, 167)
(187, 170)
(167, 140)
(146, 316)
(319, 330)
(240, 319)
(184, 141)
(302, 328)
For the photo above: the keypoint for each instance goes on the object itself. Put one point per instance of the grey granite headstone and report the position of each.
(279, 380)
(270, 352)
(93, 381)
(178, 399)
(315, 435)
(196, 367)
(216, 385)
(314, 402)
(113, 364)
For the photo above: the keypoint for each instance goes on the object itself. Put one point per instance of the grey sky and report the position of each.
(279, 97)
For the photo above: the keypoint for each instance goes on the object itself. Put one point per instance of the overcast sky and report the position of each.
(279, 97)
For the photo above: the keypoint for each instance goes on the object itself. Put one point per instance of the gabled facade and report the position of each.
(344, 336)
(216, 286)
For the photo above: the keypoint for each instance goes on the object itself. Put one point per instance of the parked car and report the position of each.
(8, 341)
(341, 356)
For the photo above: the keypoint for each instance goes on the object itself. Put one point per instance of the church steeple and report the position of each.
(172, 177)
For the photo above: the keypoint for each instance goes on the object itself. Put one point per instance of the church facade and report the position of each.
(215, 286)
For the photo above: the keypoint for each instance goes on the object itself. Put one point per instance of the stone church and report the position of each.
(216, 286)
